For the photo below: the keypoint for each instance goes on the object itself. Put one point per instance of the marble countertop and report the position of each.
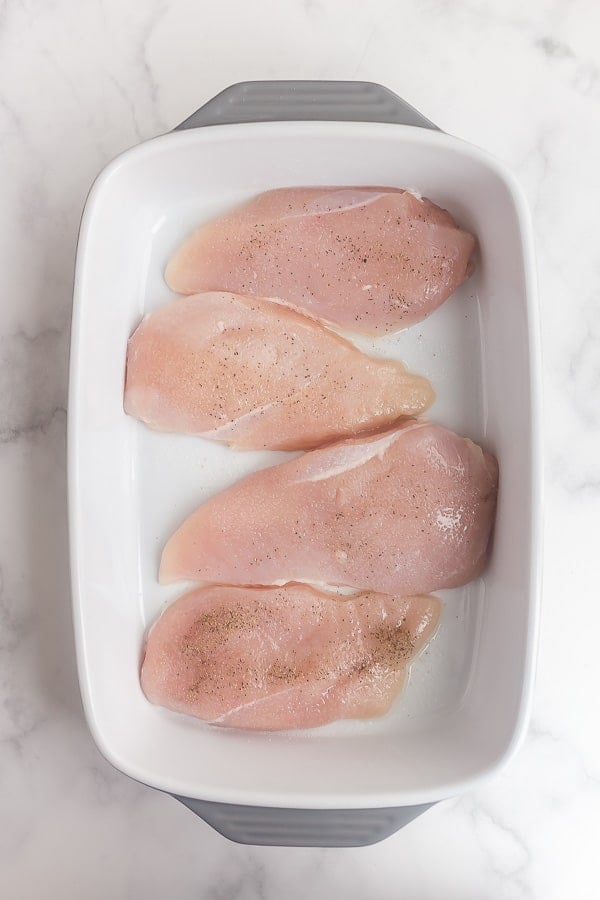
(79, 82)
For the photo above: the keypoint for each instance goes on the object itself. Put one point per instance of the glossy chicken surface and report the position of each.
(408, 511)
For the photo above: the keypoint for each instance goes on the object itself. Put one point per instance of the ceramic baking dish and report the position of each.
(466, 706)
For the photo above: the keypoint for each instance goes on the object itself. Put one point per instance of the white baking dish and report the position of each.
(466, 707)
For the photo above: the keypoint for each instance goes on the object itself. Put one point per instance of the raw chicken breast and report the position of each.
(369, 259)
(257, 374)
(278, 658)
(405, 512)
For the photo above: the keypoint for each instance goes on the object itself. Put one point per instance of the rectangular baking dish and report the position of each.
(466, 707)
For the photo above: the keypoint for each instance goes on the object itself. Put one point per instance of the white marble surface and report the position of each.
(80, 82)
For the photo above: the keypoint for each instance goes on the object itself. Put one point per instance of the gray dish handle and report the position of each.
(276, 827)
(304, 101)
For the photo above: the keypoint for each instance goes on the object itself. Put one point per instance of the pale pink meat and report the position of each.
(256, 374)
(372, 260)
(408, 511)
(280, 658)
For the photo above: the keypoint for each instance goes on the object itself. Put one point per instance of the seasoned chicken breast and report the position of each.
(408, 511)
(256, 374)
(372, 260)
(279, 658)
